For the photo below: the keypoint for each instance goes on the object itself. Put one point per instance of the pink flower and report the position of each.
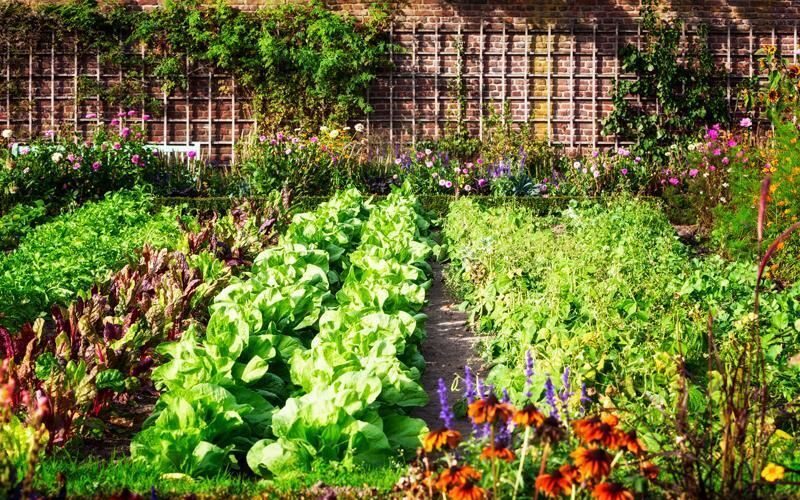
(49, 133)
(442, 182)
(732, 143)
(725, 161)
(481, 182)
(712, 134)
(313, 140)
(638, 159)
(623, 152)
(595, 154)
(96, 166)
(717, 152)
(91, 115)
(132, 112)
(114, 122)
(624, 171)
(693, 172)
(674, 181)
(76, 166)
(121, 114)
(746, 122)
(135, 159)
(479, 161)
(279, 136)
(448, 184)
(125, 132)
(117, 146)
(712, 168)
(145, 117)
(191, 154)
(262, 138)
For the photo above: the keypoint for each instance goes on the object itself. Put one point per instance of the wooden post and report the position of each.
(616, 70)
(480, 78)
(573, 111)
(504, 55)
(527, 73)
(210, 104)
(414, 84)
(594, 86)
(751, 51)
(728, 67)
(187, 118)
(30, 89)
(75, 84)
(549, 84)
(437, 67)
(8, 84)
(53, 80)
(233, 119)
(391, 85)
(98, 77)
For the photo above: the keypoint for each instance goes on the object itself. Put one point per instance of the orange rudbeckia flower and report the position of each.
(530, 416)
(500, 452)
(650, 470)
(489, 410)
(467, 491)
(436, 440)
(630, 442)
(598, 430)
(558, 482)
(457, 475)
(611, 491)
(592, 462)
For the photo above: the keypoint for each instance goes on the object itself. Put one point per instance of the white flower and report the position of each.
(723, 200)
(7, 133)
(692, 147)
(323, 128)
(725, 184)
(577, 164)
(428, 152)
(333, 134)
(57, 157)
(359, 127)
(705, 175)
(24, 150)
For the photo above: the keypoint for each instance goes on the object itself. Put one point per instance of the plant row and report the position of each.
(611, 294)
(278, 378)
(62, 377)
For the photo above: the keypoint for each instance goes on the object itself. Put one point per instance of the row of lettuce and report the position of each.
(609, 293)
(313, 355)
(87, 299)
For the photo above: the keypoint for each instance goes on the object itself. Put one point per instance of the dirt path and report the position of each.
(449, 346)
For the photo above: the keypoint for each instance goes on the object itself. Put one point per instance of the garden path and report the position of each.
(450, 345)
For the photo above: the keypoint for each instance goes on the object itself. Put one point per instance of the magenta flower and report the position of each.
(76, 166)
(114, 122)
(732, 143)
(96, 166)
(712, 168)
(712, 134)
(117, 146)
(481, 183)
(725, 161)
(91, 115)
(693, 172)
(125, 132)
(49, 134)
(132, 112)
(135, 159)
(279, 136)
(624, 171)
(638, 159)
(121, 114)
(448, 184)
(674, 181)
(746, 122)
(313, 140)
(623, 152)
(191, 154)
(145, 117)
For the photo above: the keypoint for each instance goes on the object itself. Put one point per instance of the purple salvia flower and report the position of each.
(550, 396)
(585, 400)
(528, 374)
(506, 398)
(469, 386)
(480, 387)
(446, 413)
(565, 394)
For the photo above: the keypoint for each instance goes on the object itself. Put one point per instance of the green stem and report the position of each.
(525, 443)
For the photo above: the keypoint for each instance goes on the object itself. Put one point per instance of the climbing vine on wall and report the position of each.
(681, 78)
(302, 63)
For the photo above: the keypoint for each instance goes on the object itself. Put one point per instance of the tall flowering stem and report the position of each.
(446, 412)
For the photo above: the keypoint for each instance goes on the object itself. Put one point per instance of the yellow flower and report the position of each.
(772, 473)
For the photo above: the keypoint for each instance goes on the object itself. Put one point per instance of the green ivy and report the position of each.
(302, 63)
(682, 80)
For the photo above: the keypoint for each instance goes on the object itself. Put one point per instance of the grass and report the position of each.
(100, 478)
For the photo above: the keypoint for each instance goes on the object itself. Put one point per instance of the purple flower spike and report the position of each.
(506, 398)
(446, 414)
(565, 394)
(469, 386)
(528, 374)
(550, 395)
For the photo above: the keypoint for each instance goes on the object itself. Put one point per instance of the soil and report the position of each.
(449, 347)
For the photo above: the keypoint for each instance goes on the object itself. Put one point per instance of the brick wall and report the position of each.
(554, 63)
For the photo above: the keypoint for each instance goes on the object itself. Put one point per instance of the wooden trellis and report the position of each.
(555, 78)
